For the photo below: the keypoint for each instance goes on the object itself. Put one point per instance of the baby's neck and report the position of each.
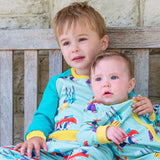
(116, 102)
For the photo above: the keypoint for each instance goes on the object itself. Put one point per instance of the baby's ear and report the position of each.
(132, 83)
(104, 42)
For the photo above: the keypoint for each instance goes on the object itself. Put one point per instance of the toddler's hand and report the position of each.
(116, 134)
(143, 105)
(35, 143)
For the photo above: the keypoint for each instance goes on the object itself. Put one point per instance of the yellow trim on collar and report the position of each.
(149, 127)
(153, 116)
(134, 101)
(75, 75)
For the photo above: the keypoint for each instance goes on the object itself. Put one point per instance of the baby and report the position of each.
(109, 118)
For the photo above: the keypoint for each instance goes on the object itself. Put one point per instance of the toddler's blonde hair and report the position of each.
(79, 13)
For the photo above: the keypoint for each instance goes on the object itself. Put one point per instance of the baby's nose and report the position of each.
(107, 83)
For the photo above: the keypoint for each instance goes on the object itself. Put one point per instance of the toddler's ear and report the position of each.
(132, 83)
(104, 44)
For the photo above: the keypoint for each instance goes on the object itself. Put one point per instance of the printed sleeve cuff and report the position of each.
(101, 134)
(36, 134)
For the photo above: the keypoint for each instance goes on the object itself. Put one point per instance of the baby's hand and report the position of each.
(35, 143)
(143, 105)
(116, 134)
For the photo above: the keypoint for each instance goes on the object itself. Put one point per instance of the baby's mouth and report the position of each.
(107, 93)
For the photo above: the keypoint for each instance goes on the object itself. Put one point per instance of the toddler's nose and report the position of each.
(75, 48)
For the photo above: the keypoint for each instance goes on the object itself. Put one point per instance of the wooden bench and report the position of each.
(33, 40)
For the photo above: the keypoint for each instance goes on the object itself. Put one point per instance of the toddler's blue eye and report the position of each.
(98, 79)
(82, 39)
(114, 77)
(66, 43)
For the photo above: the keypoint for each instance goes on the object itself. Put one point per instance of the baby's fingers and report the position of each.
(120, 135)
(123, 134)
(116, 140)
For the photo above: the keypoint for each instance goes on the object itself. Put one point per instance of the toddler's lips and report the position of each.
(78, 58)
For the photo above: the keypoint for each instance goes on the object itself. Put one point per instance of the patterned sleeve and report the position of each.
(157, 112)
(154, 117)
(91, 132)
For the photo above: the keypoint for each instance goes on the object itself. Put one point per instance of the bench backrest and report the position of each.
(33, 40)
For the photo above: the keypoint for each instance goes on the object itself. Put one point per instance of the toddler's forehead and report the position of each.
(83, 25)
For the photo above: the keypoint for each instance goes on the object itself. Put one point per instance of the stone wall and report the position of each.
(20, 14)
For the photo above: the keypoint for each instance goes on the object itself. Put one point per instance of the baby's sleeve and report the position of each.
(91, 133)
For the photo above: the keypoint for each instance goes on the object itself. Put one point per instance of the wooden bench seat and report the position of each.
(141, 40)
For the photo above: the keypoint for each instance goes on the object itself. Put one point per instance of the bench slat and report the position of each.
(22, 39)
(30, 86)
(141, 67)
(6, 97)
(55, 63)
(146, 37)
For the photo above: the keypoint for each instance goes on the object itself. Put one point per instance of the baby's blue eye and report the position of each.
(114, 77)
(98, 79)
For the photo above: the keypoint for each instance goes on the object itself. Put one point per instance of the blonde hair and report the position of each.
(105, 54)
(81, 13)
